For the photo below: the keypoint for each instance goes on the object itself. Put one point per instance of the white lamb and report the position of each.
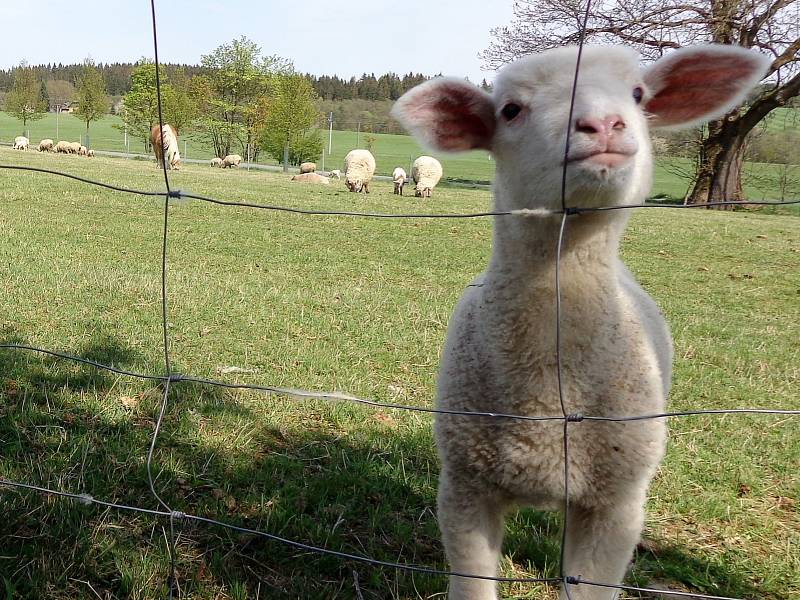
(216, 162)
(46, 145)
(359, 167)
(399, 177)
(335, 174)
(500, 354)
(426, 173)
(231, 160)
(21, 143)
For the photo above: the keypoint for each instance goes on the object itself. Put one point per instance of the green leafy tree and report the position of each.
(234, 93)
(291, 115)
(91, 93)
(24, 101)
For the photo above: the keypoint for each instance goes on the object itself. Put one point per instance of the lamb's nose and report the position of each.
(603, 127)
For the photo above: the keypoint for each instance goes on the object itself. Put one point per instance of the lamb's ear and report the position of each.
(448, 114)
(698, 83)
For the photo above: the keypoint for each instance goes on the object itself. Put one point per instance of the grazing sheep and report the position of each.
(359, 167)
(82, 150)
(61, 147)
(232, 160)
(46, 145)
(426, 173)
(165, 146)
(500, 353)
(311, 178)
(90, 153)
(399, 177)
(308, 167)
(21, 143)
(74, 147)
(335, 174)
(216, 162)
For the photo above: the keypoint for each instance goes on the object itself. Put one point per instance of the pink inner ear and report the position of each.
(462, 123)
(698, 85)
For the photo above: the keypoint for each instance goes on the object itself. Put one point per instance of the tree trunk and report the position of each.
(719, 177)
(286, 157)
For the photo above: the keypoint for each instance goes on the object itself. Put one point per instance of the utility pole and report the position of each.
(330, 133)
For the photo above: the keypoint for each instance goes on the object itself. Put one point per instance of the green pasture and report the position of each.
(357, 305)
(761, 182)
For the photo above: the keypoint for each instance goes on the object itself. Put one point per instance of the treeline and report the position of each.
(117, 77)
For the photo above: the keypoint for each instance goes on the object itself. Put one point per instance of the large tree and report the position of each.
(91, 94)
(291, 113)
(25, 101)
(658, 26)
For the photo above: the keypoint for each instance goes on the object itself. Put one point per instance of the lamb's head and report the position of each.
(524, 122)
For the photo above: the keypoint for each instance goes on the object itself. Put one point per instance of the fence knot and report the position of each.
(175, 377)
(85, 499)
(572, 580)
(177, 515)
(175, 194)
(574, 418)
(573, 210)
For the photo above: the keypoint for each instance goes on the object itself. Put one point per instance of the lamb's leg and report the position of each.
(599, 545)
(472, 532)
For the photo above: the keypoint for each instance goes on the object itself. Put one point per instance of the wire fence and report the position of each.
(169, 378)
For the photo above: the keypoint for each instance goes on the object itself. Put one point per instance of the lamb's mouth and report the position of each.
(602, 159)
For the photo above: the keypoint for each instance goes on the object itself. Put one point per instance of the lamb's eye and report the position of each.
(510, 111)
(638, 94)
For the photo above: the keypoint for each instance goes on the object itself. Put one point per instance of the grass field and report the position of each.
(357, 305)
(395, 150)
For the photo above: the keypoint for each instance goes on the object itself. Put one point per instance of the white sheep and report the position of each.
(21, 143)
(61, 147)
(311, 178)
(46, 145)
(335, 174)
(74, 147)
(399, 178)
(82, 150)
(216, 162)
(426, 172)
(359, 167)
(231, 160)
(90, 153)
(500, 353)
(308, 167)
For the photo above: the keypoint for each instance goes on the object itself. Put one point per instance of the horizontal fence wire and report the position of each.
(169, 378)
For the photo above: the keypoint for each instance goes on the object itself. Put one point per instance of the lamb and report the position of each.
(216, 162)
(90, 153)
(311, 178)
(308, 167)
(232, 160)
(616, 348)
(21, 143)
(336, 173)
(82, 150)
(399, 177)
(426, 173)
(46, 145)
(359, 167)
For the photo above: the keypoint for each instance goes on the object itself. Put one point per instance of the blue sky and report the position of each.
(343, 38)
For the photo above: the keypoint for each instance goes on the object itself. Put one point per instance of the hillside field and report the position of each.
(358, 305)
(761, 180)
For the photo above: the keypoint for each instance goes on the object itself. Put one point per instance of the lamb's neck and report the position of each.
(525, 247)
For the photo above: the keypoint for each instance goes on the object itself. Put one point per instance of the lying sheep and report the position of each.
(426, 173)
(232, 160)
(311, 178)
(399, 178)
(46, 145)
(308, 167)
(615, 346)
(336, 174)
(216, 162)
(359, 167)
(21, 143)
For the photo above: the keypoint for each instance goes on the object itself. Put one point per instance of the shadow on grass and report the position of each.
(324, 475)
